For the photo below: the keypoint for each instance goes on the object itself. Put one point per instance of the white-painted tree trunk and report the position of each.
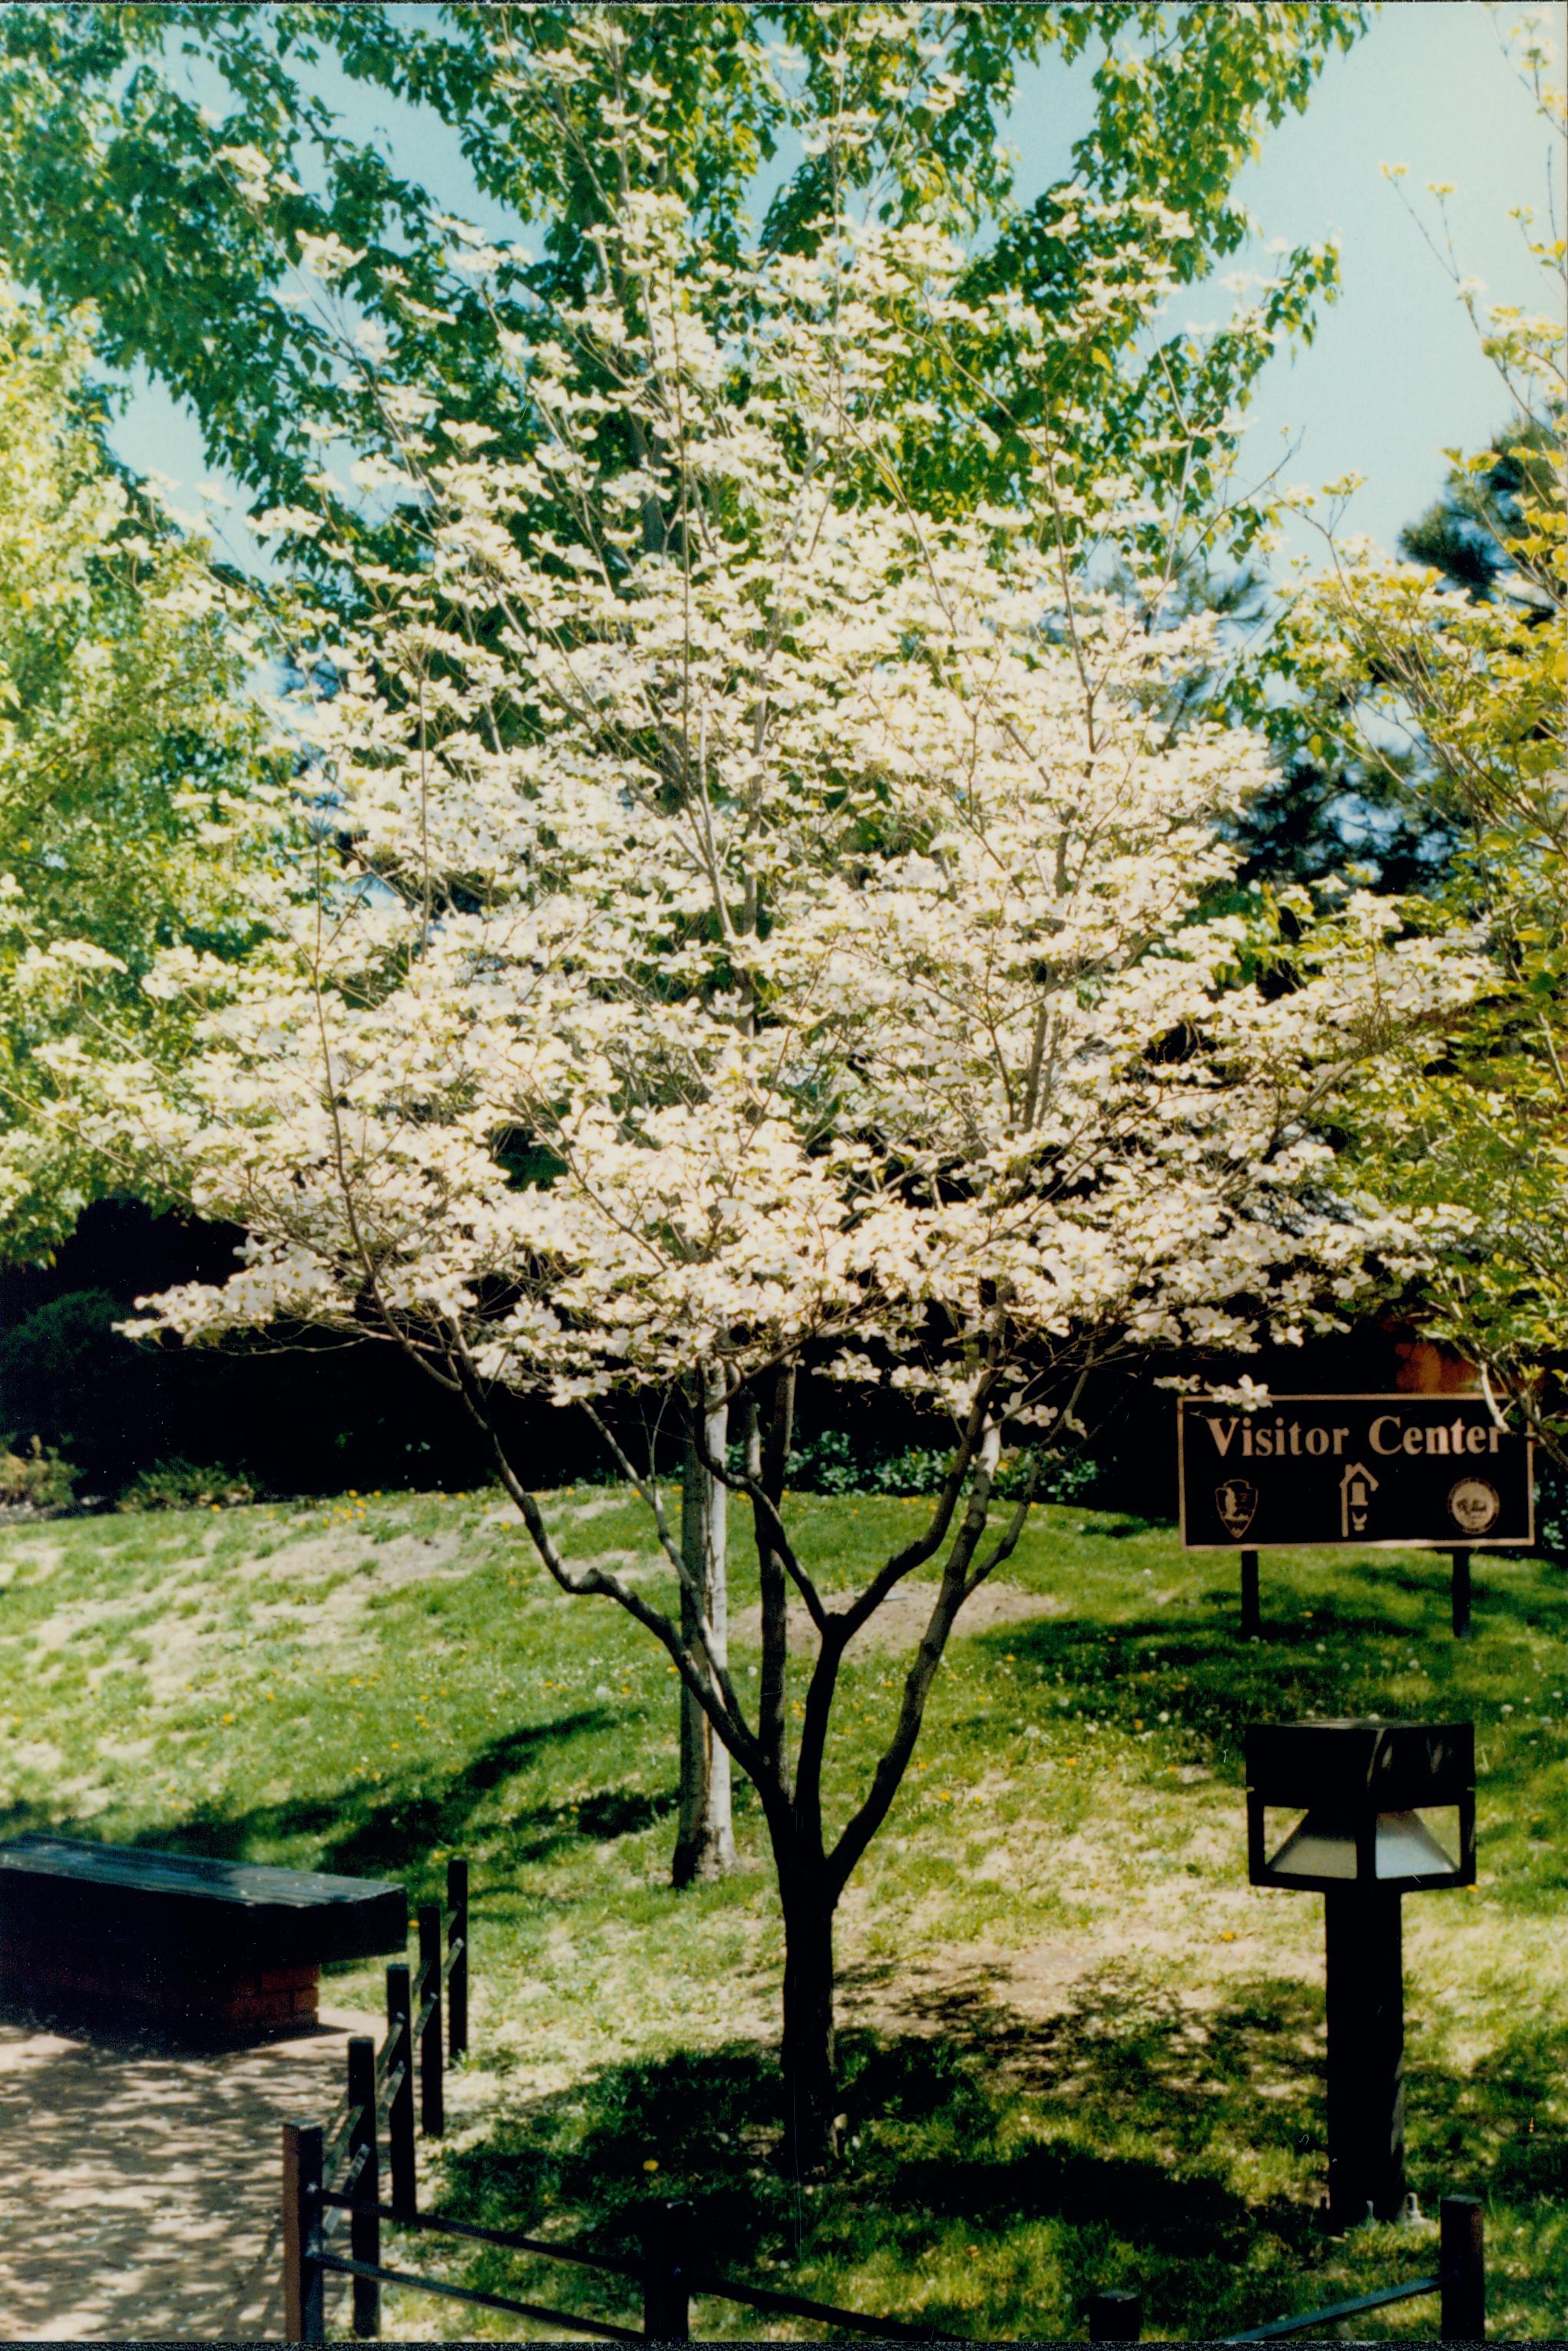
(705, 1841)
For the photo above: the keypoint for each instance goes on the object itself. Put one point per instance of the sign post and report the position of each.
(1381, 1472)
(1460, 1594)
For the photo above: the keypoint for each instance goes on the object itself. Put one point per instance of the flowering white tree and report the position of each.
(749, 913)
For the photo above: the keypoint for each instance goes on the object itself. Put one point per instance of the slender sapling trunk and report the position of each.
(704, 1838)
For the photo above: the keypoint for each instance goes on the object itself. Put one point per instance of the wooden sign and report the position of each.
(1376, 1470)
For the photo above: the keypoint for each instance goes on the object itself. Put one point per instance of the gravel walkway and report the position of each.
(139, 2189)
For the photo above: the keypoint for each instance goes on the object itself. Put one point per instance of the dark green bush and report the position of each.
(69, 1380)
(185, 1485)
(834, 1463)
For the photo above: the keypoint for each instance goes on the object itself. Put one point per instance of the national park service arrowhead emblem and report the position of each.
(1237, 1503)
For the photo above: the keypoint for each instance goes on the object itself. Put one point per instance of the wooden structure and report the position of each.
(203, 1948)
(1459, 2282)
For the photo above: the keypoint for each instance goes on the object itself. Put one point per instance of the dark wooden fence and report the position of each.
(1460, 2281)
(337, 2167)
(333, 2181)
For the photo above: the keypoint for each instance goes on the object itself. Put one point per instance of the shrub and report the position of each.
(826, 1465)
(833, 1464)
(67, 1377)
(184, 1486)
(36, 1477)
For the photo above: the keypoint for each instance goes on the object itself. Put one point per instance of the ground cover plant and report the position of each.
(1078, 2049)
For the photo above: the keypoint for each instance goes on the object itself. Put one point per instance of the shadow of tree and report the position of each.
(390, 1830)
(365, 1831)
(998, 2169)
(1192, 1663)
(1129, 2056)
(1495, 2119)
(947, 2145)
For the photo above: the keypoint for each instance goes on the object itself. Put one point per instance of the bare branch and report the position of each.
(926, 1545)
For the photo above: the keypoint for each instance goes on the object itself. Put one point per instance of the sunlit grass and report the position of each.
(1079, 2050)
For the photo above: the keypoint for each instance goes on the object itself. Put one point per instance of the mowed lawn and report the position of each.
(1078, 2050)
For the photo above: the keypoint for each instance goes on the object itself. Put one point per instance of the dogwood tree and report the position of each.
(778, 929)
(252, 195)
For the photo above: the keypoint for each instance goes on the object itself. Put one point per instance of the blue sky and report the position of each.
(1394, 375)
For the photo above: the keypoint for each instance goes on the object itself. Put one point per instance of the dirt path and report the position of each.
(139, 2197)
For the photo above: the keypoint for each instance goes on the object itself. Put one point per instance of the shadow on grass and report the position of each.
(388, 1830)
(1346, 1657)
(958, 2143)
(1139, 2059)
(1206, 1685)
(998, 2170)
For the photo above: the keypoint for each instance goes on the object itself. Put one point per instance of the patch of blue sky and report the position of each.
(1394, 375)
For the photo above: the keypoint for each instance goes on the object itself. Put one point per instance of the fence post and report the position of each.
(666, 2304)
(400, 2105)
(432, 2090)
(304, 2300)
(457, 1943)
(1461, 2261)
(364, 2220)
(1115, 2315)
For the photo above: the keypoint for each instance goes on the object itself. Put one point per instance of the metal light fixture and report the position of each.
(1388, 1809)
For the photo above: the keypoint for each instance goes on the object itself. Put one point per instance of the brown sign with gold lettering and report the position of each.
(1373, 1470)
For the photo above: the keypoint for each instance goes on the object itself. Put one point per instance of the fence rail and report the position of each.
(668, 2281)
(1460, 2280)
(332, 2174)
(334, 2169)
(1278, 2328)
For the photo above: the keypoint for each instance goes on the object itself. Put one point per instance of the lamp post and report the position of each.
(1364, 1788)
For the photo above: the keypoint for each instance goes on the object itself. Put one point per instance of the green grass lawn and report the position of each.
(1078, 2049)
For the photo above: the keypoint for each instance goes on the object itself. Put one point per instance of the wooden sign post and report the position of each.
(1380, 1472)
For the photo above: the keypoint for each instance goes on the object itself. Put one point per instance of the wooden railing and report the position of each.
(336, 2166)
(1460, 2281)
(666, 2275)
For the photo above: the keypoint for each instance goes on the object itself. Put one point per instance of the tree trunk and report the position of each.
(772, 1461)
(704, 1838)
(810, 2087)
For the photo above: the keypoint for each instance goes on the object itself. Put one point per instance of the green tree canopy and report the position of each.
(130, 768)
(184, 218)
(1450, 671)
